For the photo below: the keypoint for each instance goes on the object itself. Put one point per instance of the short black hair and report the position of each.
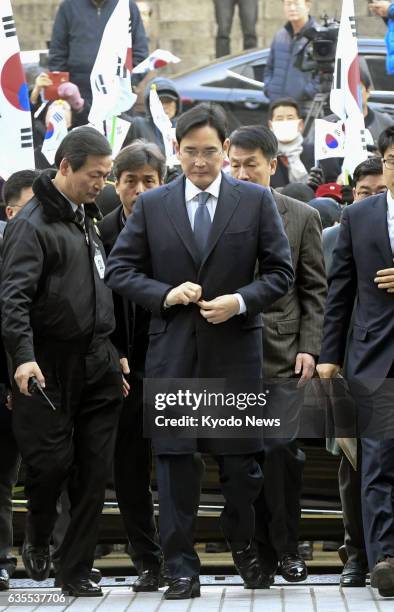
(79, 144)
(15, 184)
(370, 167)
(201, 115)
(386, 140)
(283, 102)
(251, 137)
(140, 153)
(299, 191)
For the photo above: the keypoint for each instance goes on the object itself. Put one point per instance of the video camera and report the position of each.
(318, 55)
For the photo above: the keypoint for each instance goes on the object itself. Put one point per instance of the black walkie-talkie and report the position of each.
(33, 386)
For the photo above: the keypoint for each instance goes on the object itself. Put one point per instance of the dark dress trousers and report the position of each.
(292, 325)
(349, 479)
(363, 247)
(155, 252)
(57, 311)
(133, 457)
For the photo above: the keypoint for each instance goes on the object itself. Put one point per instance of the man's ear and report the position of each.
(177, 149)
(270, 124)
(354, 192)
(273, 166)
(226, 145)
(64, 167)
(9, 212)
(301, 126)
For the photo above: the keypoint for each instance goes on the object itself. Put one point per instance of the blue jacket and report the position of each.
(76, 37)
(282, 79)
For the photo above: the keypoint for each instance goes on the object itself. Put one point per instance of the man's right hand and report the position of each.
(26, 371)
(327, 370)
(187, 293)
(379, 7)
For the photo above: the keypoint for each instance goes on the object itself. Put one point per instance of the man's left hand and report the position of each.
(220, 309)
(304, 365)
(124, 364)
(385, 279)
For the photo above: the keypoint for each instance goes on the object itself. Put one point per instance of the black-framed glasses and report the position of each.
(389, 163)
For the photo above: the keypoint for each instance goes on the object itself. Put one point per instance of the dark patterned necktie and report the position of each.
(80, 217)
(202, 222)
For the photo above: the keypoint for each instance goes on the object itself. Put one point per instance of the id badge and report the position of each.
(99, 261)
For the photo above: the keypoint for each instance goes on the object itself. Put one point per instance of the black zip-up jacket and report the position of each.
(51, 291)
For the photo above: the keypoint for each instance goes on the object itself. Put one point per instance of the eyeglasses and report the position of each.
(206, 155)
(389, 163)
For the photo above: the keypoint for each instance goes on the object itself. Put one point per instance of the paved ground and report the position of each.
(228, 596)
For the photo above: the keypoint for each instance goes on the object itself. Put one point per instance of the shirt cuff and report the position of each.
(242, 305)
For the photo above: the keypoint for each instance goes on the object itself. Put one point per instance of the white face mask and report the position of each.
(286, 131)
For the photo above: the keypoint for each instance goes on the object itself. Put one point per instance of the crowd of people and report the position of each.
(116, 271)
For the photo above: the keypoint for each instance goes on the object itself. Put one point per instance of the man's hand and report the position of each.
(187, 293)
(124, 364)
(304, 365)
(220, 309)
(379, 7)
(26, 371)
(385, 279)
(327, 370)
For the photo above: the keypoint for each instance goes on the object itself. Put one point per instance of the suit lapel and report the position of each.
(228, 201)
(380, 228)
(176, 208)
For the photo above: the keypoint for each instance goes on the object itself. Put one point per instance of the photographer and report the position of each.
(282, 77)
(385, 9)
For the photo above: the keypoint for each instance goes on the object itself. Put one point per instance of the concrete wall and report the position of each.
(186, 27)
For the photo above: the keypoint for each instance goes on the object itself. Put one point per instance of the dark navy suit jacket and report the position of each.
(362, 248)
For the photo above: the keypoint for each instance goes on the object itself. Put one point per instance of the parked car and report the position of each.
(236, 82)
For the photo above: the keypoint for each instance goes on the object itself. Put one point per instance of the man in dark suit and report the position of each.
(368, 180)
(137, 168)
(362, 270)
(292, 335)
(188, 254)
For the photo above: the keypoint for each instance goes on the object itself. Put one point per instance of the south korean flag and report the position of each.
(110, 78)
(16, 143)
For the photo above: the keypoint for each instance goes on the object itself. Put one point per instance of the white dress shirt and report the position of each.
(390, 219)
(191, 199)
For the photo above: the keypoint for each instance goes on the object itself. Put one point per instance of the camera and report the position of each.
(318, 54)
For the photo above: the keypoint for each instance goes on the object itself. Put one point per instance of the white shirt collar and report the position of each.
(390, 205)
(191, 190)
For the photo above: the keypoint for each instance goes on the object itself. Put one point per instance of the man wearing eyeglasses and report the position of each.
(362, 277)
(188, 255)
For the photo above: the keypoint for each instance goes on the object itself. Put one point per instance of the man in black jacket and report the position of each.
(76, 37)
(57, 317)
(137, 168)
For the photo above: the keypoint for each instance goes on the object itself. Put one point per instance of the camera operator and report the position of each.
(282, 77)
(385, 9)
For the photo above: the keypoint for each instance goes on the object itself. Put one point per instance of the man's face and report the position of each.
(84, 185)
(388, 173)
(14, 208)
(133, 182)
(369, 185)
(251, 165)
(296, 10)
(201, 155)
(169, 106)
(286, 123)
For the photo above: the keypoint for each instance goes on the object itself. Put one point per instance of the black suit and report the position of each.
(157, 251)
(358, 255)
(133, 457)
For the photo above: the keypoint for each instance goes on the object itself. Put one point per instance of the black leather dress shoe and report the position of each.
(149, 580)
(293, 567)
(248, 566)
(183, 588)
(4, 580)
(81, 587)
(37, 561)
(353, 575)
(95, 576)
